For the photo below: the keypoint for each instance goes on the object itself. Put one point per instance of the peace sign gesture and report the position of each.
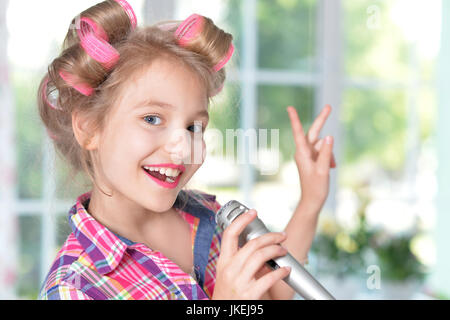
(313, 156)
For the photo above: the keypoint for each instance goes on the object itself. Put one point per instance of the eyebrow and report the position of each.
(147, 103)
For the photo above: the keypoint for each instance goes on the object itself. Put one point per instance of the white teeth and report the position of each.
(170, 180)
(173, 172)
(167, 171)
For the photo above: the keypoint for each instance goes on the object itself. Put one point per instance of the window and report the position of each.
(369, 59)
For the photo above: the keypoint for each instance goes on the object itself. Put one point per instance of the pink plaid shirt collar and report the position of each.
(105, 248)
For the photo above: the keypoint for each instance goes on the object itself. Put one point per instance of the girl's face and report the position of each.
(158, 123)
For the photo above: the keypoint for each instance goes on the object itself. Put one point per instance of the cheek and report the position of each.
(136, 140)
(130, 145)
(125, 147)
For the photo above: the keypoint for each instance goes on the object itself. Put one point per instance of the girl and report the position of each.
(129, 106)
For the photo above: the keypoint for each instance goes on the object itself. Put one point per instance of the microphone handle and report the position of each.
(299, 278)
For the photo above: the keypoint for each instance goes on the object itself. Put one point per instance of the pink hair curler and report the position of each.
(189, 29)
(98, 31)
(130, 12)
(82, 88)
(50, 94)
(225, 60)
(94, 41)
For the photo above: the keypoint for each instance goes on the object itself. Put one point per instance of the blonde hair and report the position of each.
(137, 48)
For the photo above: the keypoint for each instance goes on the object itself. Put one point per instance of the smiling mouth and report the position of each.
(162, 179)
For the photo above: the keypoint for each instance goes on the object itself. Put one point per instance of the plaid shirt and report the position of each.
(95, 263)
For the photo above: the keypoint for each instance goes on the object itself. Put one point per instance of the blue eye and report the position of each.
(154, 122)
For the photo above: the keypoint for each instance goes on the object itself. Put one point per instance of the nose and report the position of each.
(183, 148)
(178, 145)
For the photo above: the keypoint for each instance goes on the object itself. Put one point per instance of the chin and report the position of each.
(162, 204)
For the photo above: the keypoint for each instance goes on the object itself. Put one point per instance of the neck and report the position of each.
(125, 217)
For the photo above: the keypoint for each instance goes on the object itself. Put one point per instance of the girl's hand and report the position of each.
(237, 268)
(314, 158)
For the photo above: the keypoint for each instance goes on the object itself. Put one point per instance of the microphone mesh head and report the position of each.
(228, 212)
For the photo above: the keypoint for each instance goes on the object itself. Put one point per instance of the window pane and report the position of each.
(375, 45)
(67, 186)
(30, 250)
(63, 228)
(224, 110)
(233, 17)
(272, 114)
(288, 26)
(286, 36)
(29, 138)
(374, 127)
(225, 113)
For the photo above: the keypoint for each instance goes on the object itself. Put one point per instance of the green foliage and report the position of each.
(28, 136)
(374, 126)
(347, 251)
(374, 121)
(29, 262)
(397, 261)
(285, 41)
(375, 48)
(224, 111)
(288, 26)
(272, 114)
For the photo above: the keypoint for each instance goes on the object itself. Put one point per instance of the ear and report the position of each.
(84, 134)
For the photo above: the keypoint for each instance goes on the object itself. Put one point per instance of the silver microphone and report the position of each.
(299, 279)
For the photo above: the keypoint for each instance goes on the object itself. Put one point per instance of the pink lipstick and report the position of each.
(160, 178)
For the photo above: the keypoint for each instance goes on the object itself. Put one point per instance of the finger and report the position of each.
(297, 130)
(318, 145)
(259, 258)
(256, 244)
(265, 269)
(317, 148)
(324, 159)
(230, 238)
(267, 281)
(316, 127)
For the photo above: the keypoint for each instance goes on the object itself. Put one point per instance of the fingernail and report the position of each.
(328, 140)
(252, 212)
